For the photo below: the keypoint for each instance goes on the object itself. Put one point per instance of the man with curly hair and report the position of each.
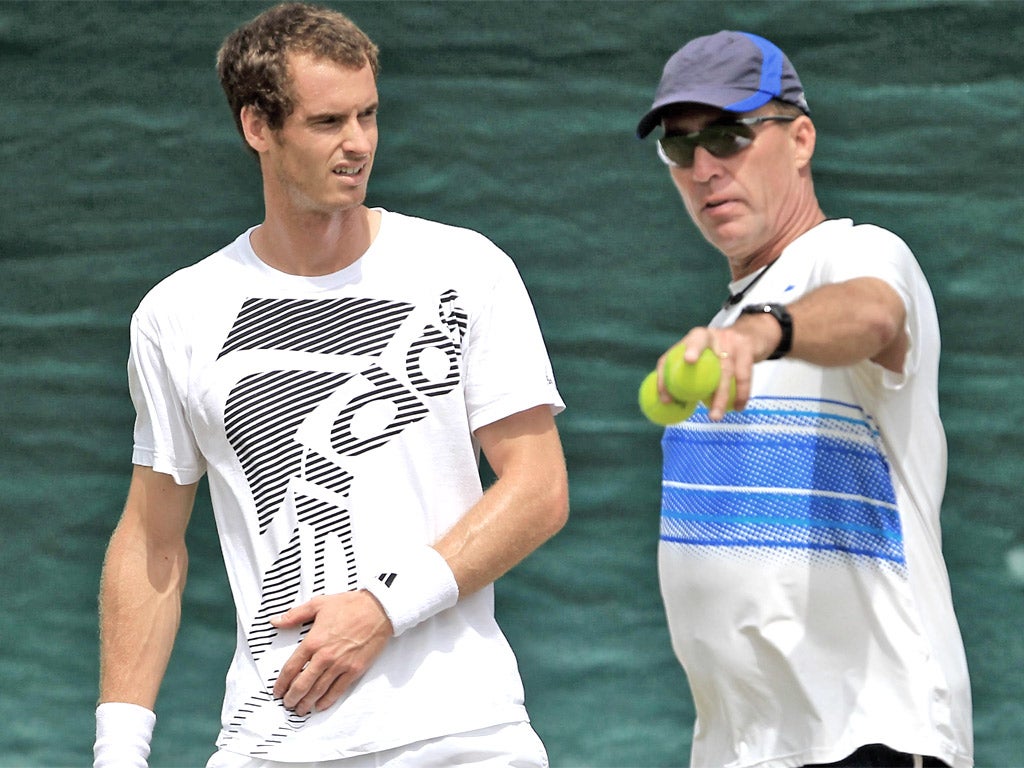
(335, 373)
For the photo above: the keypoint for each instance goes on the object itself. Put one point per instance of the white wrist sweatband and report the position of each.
(123, 733)
(414, 589)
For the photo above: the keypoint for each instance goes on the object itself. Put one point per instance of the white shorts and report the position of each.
(512, 745)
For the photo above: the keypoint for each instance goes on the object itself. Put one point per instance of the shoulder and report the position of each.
(845, 233)
(438, 237)
(882, 251)
(423, 257)
(840, 249)
(187, 291)
(880, 236)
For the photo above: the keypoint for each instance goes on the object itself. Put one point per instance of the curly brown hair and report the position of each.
(252, 63)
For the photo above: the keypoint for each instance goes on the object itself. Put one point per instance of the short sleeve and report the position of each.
(507, 364)
(163, 436)
(877, 252)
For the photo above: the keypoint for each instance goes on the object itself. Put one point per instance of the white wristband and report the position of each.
(415, 589)
(123, 733)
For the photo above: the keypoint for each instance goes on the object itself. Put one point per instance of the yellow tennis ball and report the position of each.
(689, 382)
(659, 412)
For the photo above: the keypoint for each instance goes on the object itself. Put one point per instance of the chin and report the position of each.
(346, 202)
(730, 242)
(728, 246)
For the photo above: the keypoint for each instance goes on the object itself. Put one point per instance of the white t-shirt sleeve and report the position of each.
(163, 437)
(876, 252)
(507, 365)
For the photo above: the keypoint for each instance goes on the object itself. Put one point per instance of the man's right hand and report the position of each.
(349, 632)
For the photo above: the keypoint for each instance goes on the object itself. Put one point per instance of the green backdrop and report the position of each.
(119, 163)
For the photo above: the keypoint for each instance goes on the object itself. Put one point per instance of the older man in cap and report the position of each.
(800, 555)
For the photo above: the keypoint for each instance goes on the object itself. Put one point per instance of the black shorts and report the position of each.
(880, 756)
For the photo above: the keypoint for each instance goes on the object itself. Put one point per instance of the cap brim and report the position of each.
(720, 98)
(648, 123)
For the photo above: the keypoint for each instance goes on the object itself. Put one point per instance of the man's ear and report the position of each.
(255, 128)
(804, 137)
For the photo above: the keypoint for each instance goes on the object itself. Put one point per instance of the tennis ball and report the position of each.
(659, 412)
(690, 382)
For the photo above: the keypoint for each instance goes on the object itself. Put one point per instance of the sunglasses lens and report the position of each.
(719, 140)
(726, 140)
(675, 150)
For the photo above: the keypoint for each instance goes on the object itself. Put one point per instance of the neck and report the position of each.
(315, 244)
(796, 226)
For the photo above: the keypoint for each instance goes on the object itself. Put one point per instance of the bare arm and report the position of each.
(527, 504)
(839, 324)
(834, 325)
(140, 593)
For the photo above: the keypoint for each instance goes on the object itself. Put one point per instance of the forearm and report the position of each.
(836, 325)
(140, 609)
(527, 505)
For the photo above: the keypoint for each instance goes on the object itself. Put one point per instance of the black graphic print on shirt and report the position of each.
(264, 416)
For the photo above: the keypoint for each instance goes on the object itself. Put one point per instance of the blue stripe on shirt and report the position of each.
(799, 473)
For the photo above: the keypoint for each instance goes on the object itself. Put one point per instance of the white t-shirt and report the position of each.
(334, 417)
(800, 555)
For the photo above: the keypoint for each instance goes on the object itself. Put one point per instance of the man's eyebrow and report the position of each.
(371, 107)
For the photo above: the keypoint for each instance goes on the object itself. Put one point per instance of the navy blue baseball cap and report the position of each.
(732, 71)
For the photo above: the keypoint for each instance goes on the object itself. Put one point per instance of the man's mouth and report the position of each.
(348, 171)
(713, 204)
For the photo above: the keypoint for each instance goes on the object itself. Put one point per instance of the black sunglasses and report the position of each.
(720, 139)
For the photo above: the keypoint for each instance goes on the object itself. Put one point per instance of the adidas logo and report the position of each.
(387, 578)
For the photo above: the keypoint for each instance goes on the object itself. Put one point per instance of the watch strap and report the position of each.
(785, 321)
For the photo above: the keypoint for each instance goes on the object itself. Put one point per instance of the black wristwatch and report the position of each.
(785, 320)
